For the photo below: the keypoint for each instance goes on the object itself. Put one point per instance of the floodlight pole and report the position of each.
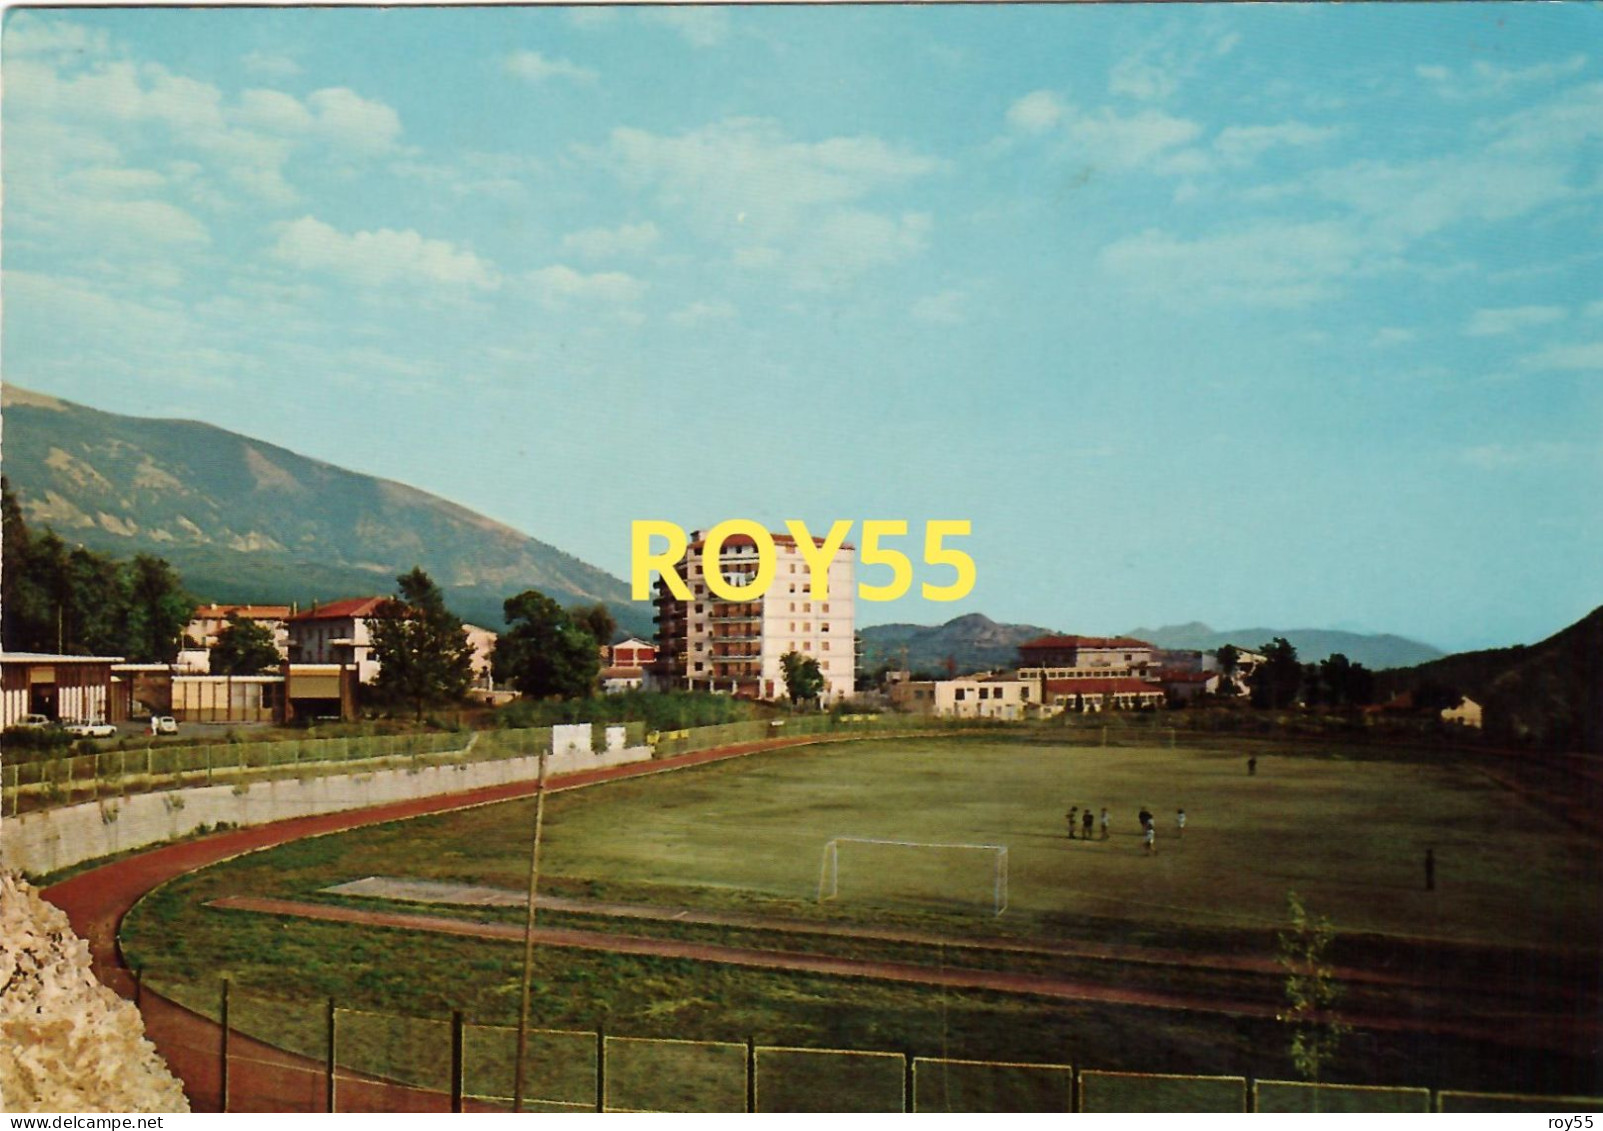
(528, 939)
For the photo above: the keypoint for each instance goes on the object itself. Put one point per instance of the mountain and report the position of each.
(1373, 651)
(974, 643)
(1548, 694)
(244, 520)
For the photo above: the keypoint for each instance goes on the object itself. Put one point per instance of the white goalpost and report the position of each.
(829, 866)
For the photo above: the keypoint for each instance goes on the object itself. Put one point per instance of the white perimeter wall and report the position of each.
(45, 841)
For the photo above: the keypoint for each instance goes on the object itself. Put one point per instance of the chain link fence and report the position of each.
(257, 1051)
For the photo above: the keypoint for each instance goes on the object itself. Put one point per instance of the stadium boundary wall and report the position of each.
(49, 840)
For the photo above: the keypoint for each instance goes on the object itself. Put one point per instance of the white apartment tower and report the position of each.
(710, 644)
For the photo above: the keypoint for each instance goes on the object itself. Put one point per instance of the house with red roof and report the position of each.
(336, 633)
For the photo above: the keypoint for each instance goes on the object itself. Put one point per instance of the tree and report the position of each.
(423, 654)
(1229, 658)
(544, 653)
(1311, 990)
(158, 610)
(803, 679)
(1344, 683)
(244, 647)
(597, 620)
(1275, 682)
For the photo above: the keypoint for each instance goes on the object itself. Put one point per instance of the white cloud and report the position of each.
(346, 119)
(1108, 138)
(1105, 137)
(1275, 264)
(1388, 336)
(945, 308)
(1580, 357)
(1501, 457)
(845, 244)
(39, 34)
(700, 313)
(1594, 309)
(744, 181)
(610, 243)
(560, 284)
(271, 65)
(535, 67)
(1037, 112)
(274, 111)
(1246, 143)
(1165, 63)
(380, 257)
(1487, 80)
(1511, 319)
(700, 27)
(591, 18)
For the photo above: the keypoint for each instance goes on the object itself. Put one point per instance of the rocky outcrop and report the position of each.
(68, 1043)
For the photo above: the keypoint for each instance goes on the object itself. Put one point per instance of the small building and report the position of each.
(483, 642)
(63, 688)
(968, 697)
(1467, 713)
(1183, 685)
(632, 653)
(618, 678)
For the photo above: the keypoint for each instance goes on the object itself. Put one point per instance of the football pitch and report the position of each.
(730, 854)
(1349, 836)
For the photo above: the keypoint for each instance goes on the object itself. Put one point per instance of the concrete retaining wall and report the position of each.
(45, 841)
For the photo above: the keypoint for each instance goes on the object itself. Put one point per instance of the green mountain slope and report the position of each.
(1548, 694)
(1373, 651)
(246, 520)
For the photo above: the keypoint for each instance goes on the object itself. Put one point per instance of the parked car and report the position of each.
(34, 722)
(163, 724)
(91, 730)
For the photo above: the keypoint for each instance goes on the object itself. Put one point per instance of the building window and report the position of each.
(825, 645)
(958, 695)
(823, 627)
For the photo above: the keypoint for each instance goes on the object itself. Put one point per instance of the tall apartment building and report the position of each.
(709, 644)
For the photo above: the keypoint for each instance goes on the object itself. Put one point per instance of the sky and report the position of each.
(1260, 315)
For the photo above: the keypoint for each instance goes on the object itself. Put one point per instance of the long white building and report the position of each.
(710, 644)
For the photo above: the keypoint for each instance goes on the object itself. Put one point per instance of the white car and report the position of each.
(91, 730)
(34, 722)
(163, 724)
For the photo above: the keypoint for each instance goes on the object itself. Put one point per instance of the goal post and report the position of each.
(829, 865)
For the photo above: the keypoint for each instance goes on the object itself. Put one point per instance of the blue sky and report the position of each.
(1258, 315)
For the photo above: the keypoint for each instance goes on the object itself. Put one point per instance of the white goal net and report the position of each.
(948, 871)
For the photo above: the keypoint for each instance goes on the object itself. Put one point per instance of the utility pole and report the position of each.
(528, 940)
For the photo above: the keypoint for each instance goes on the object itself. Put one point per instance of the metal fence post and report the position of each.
(601, 1069)
(907, 1081)
(456, 1061)
(331, 1052)
(222, 1087)
(751, 1076)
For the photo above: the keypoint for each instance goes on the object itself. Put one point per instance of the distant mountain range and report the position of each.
(1373, 651)
(973, 643)
(976, 643)
(244, 520)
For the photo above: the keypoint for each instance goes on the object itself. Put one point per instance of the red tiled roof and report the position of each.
(1043, 642)
(342, 610)
(1186, 676)
(255, 612)
(1095, 685)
